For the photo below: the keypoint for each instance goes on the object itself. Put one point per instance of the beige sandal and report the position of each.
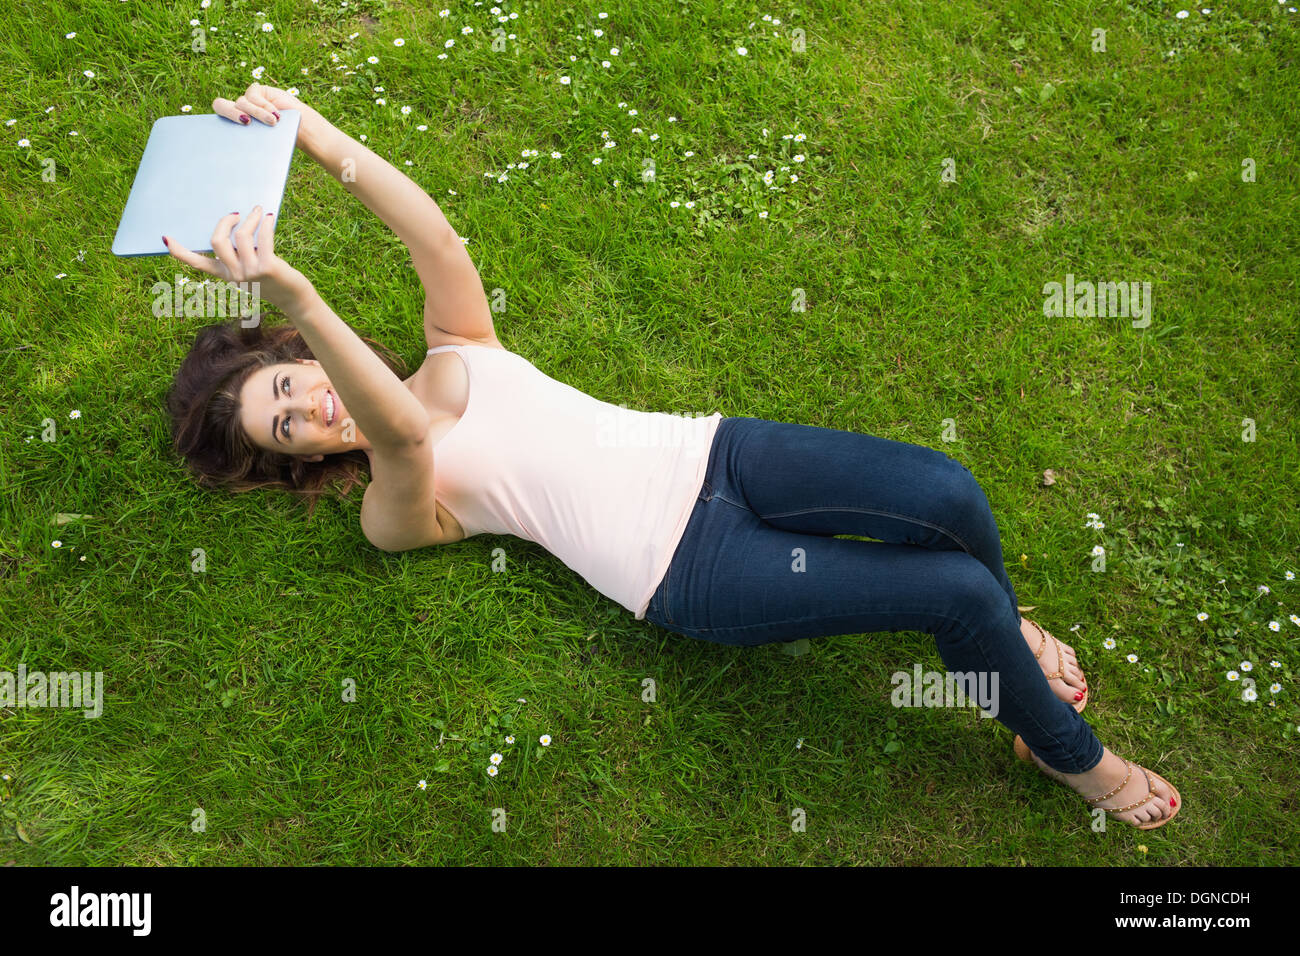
(1060, 662)
(1176, 804)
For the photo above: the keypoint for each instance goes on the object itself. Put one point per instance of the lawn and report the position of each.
(855, 213)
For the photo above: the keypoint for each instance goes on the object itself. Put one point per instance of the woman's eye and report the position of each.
(284, 387)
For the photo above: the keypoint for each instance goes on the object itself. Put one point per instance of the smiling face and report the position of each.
(292, 408)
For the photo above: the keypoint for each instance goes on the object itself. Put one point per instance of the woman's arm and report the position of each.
(454, 299)
(386, 411)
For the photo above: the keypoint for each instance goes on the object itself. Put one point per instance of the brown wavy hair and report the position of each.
(203, 403)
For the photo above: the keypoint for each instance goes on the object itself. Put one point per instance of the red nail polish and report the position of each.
(166, 243)
(275, 114)
(1078, 697)
(243, 119)
(1173, 803)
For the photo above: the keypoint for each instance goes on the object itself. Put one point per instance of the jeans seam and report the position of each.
(885, 514)
(735, 504)
(666, 590)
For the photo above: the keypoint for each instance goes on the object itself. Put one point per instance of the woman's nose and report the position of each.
(309, 408)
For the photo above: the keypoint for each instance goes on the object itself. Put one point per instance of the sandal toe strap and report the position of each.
(1151, 793)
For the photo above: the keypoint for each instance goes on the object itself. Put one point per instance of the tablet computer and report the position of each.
(197, 169)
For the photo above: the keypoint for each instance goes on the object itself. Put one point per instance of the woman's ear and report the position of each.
(309, 362)
(316, 458)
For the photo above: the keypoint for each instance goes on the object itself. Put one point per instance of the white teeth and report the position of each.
(329, 409)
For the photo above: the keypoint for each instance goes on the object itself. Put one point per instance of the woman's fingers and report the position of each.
(259, 102)
(228, 109)
(244, 236)
(220, 243)
(266, 244)
(279, 99)
(258, 108)
(202, 263)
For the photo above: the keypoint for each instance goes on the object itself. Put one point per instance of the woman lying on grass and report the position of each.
(724, 533)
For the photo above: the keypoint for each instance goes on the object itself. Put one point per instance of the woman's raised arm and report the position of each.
(454, 300)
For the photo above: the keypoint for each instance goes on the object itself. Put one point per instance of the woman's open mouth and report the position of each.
(330, 409)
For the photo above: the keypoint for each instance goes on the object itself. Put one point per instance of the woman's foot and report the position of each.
(1131, 793)
(1059, 664)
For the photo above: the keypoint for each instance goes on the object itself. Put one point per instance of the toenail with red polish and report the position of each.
(1173, 803)
(1078, 697)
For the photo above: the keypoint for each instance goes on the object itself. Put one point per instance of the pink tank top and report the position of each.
(606, 489)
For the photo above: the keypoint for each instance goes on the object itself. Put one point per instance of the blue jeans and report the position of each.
(758, 563)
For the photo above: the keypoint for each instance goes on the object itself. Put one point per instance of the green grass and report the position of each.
(924, 303)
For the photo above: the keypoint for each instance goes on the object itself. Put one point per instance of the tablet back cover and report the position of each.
(197, 169)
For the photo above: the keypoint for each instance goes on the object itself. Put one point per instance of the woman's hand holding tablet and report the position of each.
(242, 261)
